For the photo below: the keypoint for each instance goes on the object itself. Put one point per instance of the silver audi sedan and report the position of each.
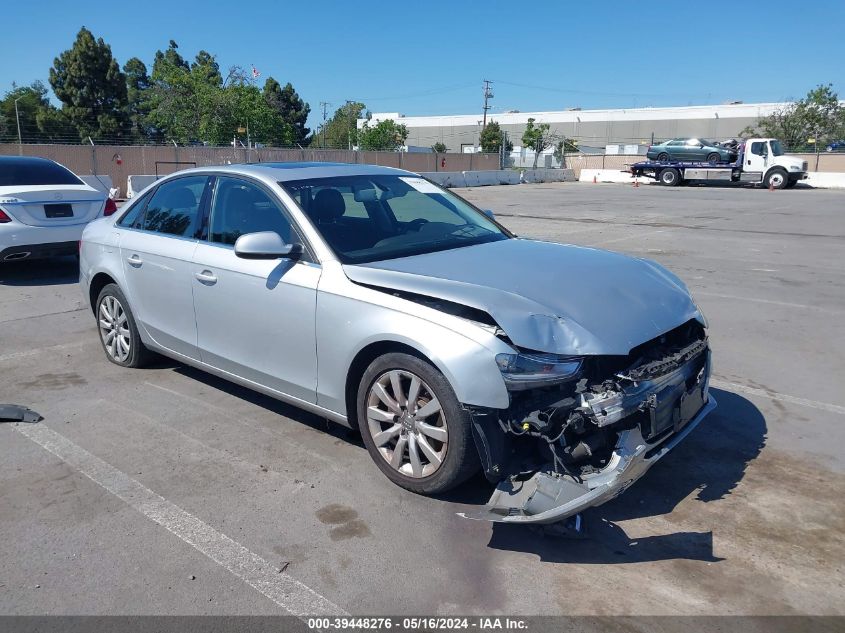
(379, 300)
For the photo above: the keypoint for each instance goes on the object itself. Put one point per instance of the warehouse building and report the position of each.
(593, 129)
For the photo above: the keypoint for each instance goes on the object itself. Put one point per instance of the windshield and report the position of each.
(370, 218)
(777, 149)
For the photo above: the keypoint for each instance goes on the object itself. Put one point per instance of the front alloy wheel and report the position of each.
(415, 429)
(407, 423)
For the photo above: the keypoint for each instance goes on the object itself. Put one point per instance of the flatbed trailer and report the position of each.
(759, 161)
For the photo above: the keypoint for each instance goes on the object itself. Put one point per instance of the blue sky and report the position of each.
(430, 57)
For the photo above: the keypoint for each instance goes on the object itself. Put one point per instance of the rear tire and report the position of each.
(436, 451)
(662, 157)
(118, 329)
(776, 179)
(670, 177)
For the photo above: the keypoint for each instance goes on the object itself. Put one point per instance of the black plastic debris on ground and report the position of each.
(18, 413)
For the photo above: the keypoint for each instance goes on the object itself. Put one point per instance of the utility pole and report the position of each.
(324, 105)
(488, 94)
(349, 117)
(18, 119)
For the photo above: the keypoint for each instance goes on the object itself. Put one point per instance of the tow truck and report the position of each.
(759, 161)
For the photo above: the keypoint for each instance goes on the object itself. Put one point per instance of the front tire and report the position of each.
(118, 329)
(776, 179)
(413, 426)
(713, 158)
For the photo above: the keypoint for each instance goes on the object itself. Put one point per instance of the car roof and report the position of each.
(282, 172)
(24, 160)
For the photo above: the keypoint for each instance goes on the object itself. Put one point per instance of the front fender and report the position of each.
(351, 317)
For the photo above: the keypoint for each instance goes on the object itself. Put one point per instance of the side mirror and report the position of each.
(265, 245)
(489, 214)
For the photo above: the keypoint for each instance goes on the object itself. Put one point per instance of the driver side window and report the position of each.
(759, 148)
(240, 207)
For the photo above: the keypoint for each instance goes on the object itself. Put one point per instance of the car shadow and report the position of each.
(708, 464)
(54, 271)
(271, 404)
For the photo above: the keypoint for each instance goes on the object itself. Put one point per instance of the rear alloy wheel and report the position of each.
(118, 330)
(713, 158)
(670, 177)
(662, 157)
(776, 179)
(413, 425)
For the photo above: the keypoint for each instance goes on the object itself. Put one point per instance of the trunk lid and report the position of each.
(52, 205)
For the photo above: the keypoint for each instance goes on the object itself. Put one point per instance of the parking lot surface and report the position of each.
(169, 491)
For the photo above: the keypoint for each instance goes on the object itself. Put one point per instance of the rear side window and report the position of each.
(174, 208)
(132, 217)
(24, 172)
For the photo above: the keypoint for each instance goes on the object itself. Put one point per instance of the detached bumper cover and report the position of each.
(548, 498)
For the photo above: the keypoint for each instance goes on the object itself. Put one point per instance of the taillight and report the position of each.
(111, 207)
(4, 218)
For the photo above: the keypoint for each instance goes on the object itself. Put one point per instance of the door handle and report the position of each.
(134, 260)
(206, 277)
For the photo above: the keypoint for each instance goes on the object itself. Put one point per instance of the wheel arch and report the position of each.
(365, 356)
(98, 282)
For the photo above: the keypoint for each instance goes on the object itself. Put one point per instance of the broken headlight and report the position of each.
(529, 370)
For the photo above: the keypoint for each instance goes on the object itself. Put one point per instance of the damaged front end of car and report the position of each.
(580, 430)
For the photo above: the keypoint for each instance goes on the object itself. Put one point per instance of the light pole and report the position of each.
(18, 120)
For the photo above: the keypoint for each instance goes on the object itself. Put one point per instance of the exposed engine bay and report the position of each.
(560, 449)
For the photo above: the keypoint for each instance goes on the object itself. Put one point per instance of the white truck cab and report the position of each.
(765, 161)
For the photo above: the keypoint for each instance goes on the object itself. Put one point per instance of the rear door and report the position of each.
(156, 250)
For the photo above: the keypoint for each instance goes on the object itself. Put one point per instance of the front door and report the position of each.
(255, 318)
(157, 251)
(757, 158)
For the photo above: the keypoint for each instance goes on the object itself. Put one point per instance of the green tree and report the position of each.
(88, 82)
(537, 137)
(385, 135)
(490, 139)
(819, 116)
(438, 147)
(40, 121)
(292, 110)
(340, 131)
(138, 96)
(563, 147)
(172, 103)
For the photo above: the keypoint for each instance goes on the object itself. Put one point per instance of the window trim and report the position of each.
(145, 199)
(308, 253)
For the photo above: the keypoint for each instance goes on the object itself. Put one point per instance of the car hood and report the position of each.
(555, 298)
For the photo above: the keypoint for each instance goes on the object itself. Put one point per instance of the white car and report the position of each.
(43, 208)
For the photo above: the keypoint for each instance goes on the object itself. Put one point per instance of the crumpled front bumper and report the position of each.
(550, 497)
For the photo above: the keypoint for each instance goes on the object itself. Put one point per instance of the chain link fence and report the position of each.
(119, 162)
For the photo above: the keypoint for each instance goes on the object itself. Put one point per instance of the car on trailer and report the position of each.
(698, 149)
